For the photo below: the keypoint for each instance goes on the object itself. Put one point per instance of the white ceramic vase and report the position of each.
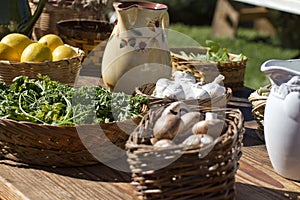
(282, 117)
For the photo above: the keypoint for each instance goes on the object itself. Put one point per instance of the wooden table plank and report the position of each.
(255, 178)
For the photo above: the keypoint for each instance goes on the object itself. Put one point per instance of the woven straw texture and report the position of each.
(61, 146)
(184, 175)
(53, 13)
(234, 72)
(147, 90)
(64, 71)
(258, 100)
(84, 34)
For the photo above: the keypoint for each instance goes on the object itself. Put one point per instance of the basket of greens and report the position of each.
(44, 122)
(208, 62)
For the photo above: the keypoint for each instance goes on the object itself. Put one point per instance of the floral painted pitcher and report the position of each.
(137, 51)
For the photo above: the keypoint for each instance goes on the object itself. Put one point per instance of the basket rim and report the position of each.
(27, 123)
(245, 58)
(64, 27)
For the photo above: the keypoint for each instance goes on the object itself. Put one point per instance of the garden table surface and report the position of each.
(255, 178)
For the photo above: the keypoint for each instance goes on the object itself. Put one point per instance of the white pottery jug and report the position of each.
(137, 51)
(282, 116)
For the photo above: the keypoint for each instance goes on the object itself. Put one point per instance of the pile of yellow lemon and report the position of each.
(20, 48)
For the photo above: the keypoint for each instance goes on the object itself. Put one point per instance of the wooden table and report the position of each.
(255, 178)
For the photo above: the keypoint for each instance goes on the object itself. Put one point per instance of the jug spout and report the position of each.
(131, 13)
(27, 26)
(281, 71)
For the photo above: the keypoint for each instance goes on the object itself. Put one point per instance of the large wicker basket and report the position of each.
(28, 143)
(258, 100)
(85, 34)
(147, 90)
(183, 174)
(64, 71)
(233, 71)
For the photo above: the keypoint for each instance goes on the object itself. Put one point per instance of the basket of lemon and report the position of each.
(19, 55)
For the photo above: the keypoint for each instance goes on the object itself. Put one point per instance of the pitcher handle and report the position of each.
(165, 23)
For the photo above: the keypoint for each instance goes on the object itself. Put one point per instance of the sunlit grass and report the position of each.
(256, 46)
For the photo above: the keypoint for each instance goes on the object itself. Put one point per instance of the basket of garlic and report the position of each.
(183, 87)
(181, 151)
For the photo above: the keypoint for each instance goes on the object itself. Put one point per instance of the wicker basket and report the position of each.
(52, 13)
(85, 34)
(258, 100)
(147, 90)
(64, 71)
(61, 146)
(234, 72)
(182, 174)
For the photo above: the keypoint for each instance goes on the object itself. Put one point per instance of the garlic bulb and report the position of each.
(161, 85)
(199, 92)
(184, 76)
(214, 88)
(185, 87)
(174, 91)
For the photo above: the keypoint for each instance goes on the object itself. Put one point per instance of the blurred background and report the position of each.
(195, 17)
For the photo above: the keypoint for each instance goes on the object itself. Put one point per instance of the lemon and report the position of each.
(8, 53)
(63, 51)
(36, 52)
(17, 41)
(51, 40)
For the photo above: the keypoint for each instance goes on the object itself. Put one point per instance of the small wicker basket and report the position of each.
(64, 71)
(233, 71)
(52, 13)
(147, 90)
(258, 100)
(183, 174)
(84, 34)
(28, 143)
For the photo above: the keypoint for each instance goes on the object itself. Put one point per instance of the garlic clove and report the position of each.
(184, 76)
(160, 86)
(214, 90)
(200, 93)
(187, 89)
(174, 91)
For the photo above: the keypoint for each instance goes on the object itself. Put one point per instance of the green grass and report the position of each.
(256, 46)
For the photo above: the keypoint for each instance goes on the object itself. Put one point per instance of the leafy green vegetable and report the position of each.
(214, 53)
(49, 102)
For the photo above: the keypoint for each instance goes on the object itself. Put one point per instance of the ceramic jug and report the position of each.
(15, 16)
(137, 51)
(282, 116)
